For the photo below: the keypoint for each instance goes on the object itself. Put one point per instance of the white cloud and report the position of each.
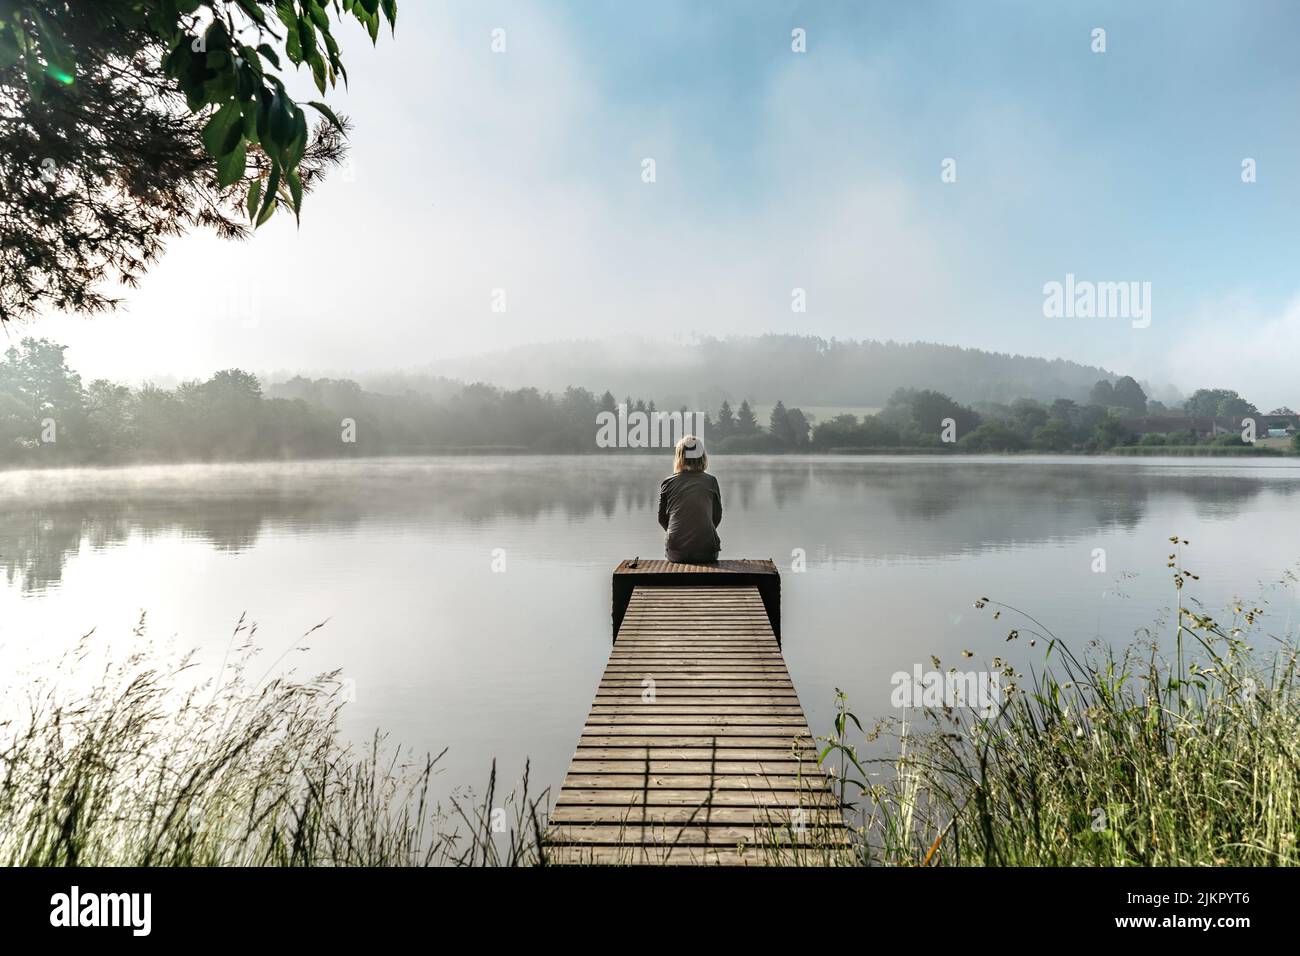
(515, 171)
(1233, 343)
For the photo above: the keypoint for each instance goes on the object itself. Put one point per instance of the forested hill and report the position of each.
(801, 370)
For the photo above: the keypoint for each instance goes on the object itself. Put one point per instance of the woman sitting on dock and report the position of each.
(690, 506)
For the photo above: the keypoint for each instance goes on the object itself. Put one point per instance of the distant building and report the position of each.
(1202, 426)
(1278, 426)
(1211, 426)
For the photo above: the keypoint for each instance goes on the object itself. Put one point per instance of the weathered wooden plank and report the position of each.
(666, 590)
(774, 830)
(717, 704)
(764, 651)
(719, 766)
(751, 680)
(721, 755)
(637, 855)
(678, 664)
(710, 815)
(594, 854)
(796, 794)
(669, 654)
(722, 644)
(730, 565)
(744, 768)
(702, 646)
(703, 783)
(723, 636)
(681, 706)
(722, 723)
(776, 743)
(633, 732)
(716, 700)
(757, 687)
(693, 670)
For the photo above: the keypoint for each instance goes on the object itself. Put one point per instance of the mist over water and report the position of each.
(396, 556)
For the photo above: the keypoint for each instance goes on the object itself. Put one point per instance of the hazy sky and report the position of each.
(474, 171)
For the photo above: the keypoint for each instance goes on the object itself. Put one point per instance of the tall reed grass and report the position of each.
(1114, 757)
(148, 768)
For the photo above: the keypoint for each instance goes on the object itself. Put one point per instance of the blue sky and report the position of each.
(521, 170)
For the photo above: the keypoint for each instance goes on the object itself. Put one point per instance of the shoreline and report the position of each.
(499, 452)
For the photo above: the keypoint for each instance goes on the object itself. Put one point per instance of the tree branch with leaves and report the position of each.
(126, 122)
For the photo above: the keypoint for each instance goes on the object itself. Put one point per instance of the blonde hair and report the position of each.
(689, 455)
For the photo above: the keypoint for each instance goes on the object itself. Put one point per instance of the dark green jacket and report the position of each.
(690, 510)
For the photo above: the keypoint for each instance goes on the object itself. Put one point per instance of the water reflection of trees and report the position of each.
(880, 507)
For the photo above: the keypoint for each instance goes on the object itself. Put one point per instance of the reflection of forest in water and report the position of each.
(879, 507)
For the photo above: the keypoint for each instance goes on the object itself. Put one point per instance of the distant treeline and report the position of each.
(800, 369)
(49, 416)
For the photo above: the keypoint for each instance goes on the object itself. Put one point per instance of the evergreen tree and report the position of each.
(746, 423)
(726, 420)
(779, 425)
(799, 427)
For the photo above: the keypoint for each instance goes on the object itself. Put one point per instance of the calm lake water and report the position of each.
(397, 556)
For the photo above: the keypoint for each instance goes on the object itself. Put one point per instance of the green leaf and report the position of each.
(246, 81)
(267, 211)
(293, 47)
(264, 100)
(319, 16)
(306, 37)
(268, 203)
(284, 10)
(253, 10)
(269, 54)
(254, 196)
(295, 191)
(250, 111)
(230, 168)
(299, 144)
(318, 70)
(224, 131)
(282, 124)
(217, 37)
(328, 114)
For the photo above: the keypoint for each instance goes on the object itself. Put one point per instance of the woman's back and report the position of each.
(690, 508)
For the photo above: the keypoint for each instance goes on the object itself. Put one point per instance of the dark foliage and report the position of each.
(125, 123)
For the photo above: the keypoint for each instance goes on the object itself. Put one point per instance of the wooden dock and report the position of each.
(696, 749)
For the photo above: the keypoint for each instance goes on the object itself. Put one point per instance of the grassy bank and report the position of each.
(146, 769)
(1109, 758)
(1198, 451)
